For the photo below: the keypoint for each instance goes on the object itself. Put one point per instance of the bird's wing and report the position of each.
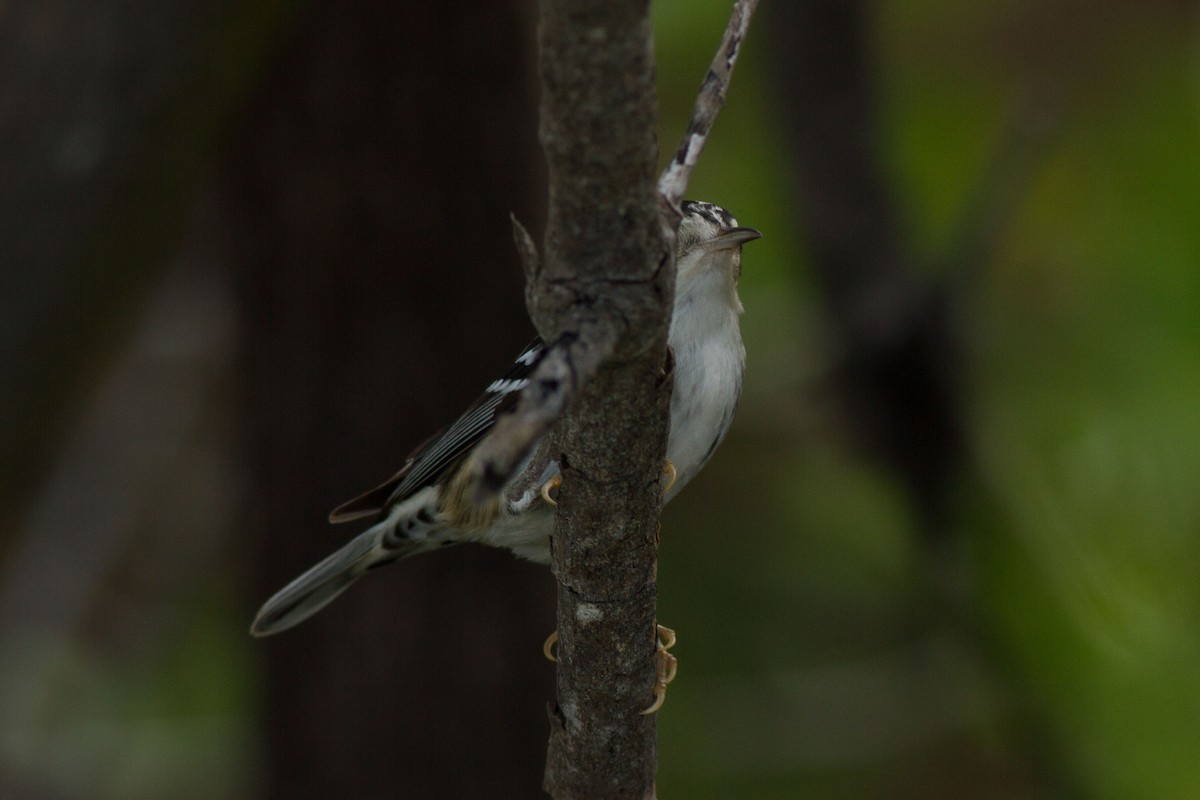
(371, 502)
(445, 449)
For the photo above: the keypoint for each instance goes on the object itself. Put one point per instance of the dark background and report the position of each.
(250, 254)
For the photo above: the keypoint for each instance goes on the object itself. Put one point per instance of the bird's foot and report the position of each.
(549, 493)
(669, 475)
(666, 665)
(549, 490)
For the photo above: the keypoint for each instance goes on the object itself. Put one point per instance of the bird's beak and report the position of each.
(734, 237)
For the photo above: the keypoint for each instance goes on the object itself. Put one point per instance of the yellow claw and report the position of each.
(667, 666)
(669, 474)
(550, 486)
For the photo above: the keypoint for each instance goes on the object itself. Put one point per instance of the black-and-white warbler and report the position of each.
(411, 508)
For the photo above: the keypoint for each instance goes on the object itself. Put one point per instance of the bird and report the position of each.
(414, 511)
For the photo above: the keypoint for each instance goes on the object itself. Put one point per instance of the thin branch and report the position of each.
(709, 102)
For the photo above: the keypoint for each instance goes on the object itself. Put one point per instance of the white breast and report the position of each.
(709, 362)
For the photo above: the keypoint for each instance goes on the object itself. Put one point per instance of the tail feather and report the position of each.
(313, 590)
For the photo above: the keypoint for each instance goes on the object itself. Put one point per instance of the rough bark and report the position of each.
(603, 300)
(607, 283)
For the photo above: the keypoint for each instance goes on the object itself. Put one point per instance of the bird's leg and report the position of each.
(666, 665)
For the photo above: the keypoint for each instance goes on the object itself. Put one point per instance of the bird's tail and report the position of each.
(313, 590)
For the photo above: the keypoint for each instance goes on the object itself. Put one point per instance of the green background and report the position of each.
(1051, 650)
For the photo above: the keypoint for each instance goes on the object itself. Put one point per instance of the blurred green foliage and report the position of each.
(825, 651)
(814, 662)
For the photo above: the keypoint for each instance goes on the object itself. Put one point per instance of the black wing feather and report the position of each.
(442, 452)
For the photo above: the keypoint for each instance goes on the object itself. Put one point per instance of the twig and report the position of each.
(674, 180)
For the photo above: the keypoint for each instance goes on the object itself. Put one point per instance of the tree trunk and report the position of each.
(608, 276)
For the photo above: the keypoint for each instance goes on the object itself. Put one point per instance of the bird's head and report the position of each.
(708, 251)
